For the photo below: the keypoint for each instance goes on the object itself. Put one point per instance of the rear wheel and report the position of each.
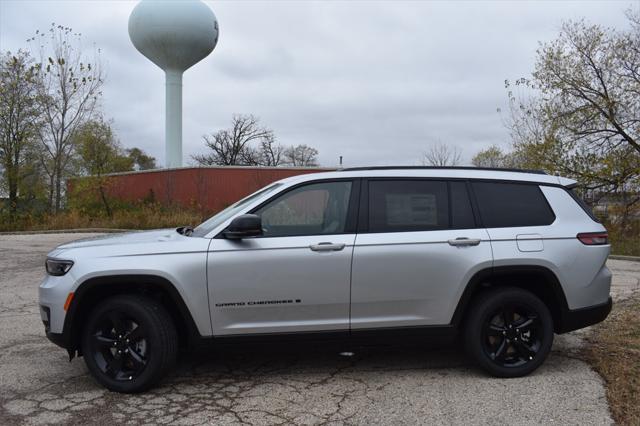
(129, 343)
(509, 332)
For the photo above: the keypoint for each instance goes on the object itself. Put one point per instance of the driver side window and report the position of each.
(315, 209)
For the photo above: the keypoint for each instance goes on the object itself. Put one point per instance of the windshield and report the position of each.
(213, 222)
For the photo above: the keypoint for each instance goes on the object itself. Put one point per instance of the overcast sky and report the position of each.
(375, 82)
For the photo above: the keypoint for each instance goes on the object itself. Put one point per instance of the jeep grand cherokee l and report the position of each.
(502, 258)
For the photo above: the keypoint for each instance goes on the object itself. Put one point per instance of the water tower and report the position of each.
(174, 35)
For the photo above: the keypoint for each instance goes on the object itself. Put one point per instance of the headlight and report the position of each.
(58, 267)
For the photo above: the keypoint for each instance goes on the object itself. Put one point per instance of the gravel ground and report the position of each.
(287, 386)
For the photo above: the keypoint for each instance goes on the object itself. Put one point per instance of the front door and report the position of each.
(296, 277)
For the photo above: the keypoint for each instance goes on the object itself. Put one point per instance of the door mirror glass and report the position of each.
(243, 226)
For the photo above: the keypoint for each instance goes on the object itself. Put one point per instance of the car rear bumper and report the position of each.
(574, 319)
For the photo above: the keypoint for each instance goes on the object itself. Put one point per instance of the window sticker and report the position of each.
(411, 209)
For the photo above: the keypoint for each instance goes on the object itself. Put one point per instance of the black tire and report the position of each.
(129, 343)
(509, 332)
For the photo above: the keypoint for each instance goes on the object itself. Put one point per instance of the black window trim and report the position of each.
(476, 217)
(449, 204)
(474, 205)
(352, 209)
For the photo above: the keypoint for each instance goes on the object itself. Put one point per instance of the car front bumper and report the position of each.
(52, 295)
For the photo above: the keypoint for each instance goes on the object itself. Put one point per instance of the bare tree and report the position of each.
(250, 144)
(233, 146)
(272, 154)
(442, 155)
(526, 116)
(70, 89)
(19, 119)
(301, 156)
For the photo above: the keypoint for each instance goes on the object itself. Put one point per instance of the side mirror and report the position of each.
(243, 226)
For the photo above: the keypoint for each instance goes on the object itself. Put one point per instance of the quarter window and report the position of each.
(510, 204)
(315, 209)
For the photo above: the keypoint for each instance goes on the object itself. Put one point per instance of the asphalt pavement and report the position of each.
(292, 385)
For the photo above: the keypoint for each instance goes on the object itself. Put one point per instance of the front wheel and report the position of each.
(129, 343)
(509, 332)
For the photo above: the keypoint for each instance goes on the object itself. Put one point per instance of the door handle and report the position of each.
(326, 247)
(464, 241)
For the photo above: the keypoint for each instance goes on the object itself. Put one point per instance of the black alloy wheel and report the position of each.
(129, 343)
(508, 331)
(119, 346)
(512, 335)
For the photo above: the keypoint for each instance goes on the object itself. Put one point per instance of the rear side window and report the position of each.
(408, 205)
(512, 204)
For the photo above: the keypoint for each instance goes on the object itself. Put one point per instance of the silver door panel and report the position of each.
(413, 278)
(280, 284)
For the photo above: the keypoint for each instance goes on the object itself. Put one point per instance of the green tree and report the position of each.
(579, 114)
(19, 121)
(141, 160)
(99, 154)
(491, 157)
(588, 79)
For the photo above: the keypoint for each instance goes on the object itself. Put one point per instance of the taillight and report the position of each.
(593, 238)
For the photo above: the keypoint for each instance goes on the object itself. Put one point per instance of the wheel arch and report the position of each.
(539, 280)
(94, 289)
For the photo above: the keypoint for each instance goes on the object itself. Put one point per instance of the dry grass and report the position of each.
(614, 352)
(148, 217)
(628, 245)
(625, 241)
(154, 215)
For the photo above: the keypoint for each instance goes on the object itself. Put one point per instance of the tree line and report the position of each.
(577, 115)
(52, 128)
(51, 124)
(247, 143)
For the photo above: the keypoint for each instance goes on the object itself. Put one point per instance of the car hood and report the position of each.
(155, 236)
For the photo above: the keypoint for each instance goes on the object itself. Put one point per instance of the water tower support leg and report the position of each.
(173, 119)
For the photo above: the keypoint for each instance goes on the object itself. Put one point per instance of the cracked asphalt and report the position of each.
(283, 385)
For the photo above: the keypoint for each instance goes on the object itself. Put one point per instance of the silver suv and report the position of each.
(501, 258)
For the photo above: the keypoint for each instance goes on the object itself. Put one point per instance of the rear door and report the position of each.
(417, 247)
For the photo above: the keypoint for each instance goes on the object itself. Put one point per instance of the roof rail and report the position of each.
(495, 169)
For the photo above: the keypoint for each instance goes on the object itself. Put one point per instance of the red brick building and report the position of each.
(209, 189)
